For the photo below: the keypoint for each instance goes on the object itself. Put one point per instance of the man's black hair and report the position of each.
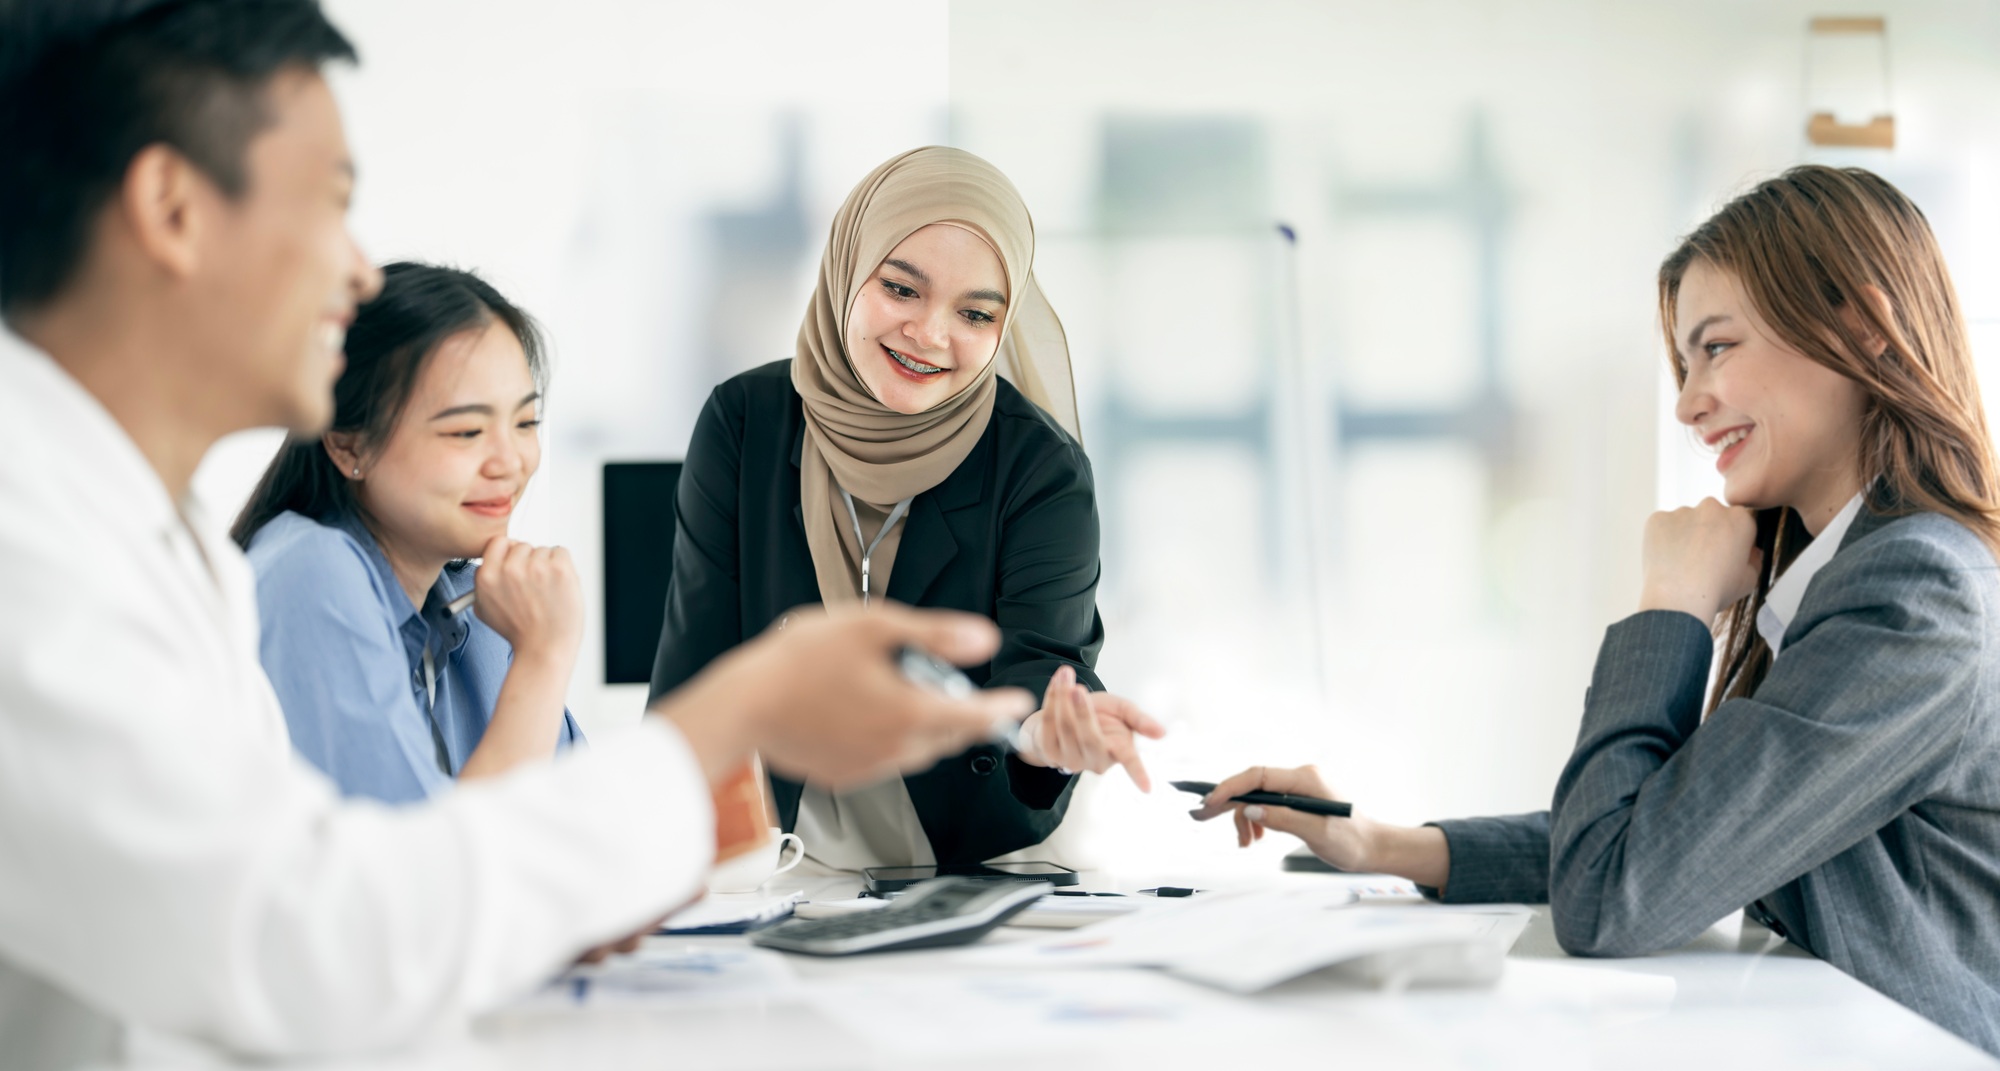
(189, 74)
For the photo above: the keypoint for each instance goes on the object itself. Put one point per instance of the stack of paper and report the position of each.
(1048, 913)
(730, 913)
(1054, 1015)
(674, 975)
(1249, 941)
(1069, 912)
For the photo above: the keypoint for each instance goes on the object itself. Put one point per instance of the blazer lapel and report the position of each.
(1864, 522)
(927, 547)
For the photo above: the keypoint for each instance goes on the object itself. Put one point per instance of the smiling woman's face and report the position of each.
(448, 477)
(1786, 429)
(927, 322)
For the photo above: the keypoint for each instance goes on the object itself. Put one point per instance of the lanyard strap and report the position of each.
(443, 753)
(862, 541)
(430, 680)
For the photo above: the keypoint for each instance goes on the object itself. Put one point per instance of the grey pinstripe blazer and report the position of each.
(1853, 801)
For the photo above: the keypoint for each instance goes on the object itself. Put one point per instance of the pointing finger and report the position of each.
(1128, 712)
(1135, 768)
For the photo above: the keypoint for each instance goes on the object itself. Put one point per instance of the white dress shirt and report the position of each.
(1781, 603)
(167, 861)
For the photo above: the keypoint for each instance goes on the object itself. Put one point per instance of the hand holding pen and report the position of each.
(1337, 840)
(1355, 843)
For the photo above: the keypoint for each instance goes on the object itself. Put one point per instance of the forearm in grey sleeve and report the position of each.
(1501, 859)
(1663, 824)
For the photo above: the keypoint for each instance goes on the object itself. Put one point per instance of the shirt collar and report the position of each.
(83, 437)
(1781, 603)
(454, 581)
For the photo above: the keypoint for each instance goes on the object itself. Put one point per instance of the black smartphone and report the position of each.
(887, 879)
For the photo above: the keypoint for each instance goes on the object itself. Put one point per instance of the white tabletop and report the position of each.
(1735, 997)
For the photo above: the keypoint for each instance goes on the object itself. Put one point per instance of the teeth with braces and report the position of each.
(1731, 439)
(914, 365)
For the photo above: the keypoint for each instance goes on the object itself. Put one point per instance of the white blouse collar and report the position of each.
(1781, 603)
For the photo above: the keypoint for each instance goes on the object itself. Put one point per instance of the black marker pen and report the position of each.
(1308, 804)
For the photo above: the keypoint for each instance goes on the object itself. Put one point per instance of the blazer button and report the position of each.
(983, 764)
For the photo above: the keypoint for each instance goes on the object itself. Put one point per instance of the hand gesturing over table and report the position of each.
(1078, 729)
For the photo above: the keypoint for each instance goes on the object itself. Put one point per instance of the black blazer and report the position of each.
(1011, 534)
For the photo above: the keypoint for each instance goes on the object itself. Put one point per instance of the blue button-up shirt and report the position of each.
(344, 650)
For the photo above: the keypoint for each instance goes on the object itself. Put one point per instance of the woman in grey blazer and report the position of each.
(1842, 780)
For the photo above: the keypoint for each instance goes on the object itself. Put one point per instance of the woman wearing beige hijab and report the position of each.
(920, 446)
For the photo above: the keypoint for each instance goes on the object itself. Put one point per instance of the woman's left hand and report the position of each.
(1078, 729)
(1700, 559)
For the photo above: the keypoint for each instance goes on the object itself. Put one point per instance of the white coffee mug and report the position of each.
(748, 872)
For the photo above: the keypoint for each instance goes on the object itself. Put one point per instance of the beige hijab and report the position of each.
(853, 441)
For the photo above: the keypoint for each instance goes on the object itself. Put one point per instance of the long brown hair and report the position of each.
(1803, 246)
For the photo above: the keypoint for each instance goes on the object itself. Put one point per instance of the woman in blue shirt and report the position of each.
(360, 540)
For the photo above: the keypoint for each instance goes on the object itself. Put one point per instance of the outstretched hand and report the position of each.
(1078, 729)
(822, 700)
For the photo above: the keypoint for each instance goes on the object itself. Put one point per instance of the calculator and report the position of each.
(933, 914)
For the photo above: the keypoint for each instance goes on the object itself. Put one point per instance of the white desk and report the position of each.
(1736, 997)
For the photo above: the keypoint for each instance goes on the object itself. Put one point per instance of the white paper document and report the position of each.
(1070, 912)
(674, 973)
(826, 909)
(1250, 941)
(1368, 888)
(1049, 913)
(1061, 1011)
(730, 912)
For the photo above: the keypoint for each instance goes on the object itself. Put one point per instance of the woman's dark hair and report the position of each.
(420, 307)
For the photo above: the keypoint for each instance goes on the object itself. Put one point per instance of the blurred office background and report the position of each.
(1361, 299)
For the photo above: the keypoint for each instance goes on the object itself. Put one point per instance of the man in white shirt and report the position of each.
(175, 266)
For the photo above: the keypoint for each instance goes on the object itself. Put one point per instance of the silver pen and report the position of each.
(926, 670)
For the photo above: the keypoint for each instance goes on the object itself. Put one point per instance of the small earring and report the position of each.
(357, 473)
